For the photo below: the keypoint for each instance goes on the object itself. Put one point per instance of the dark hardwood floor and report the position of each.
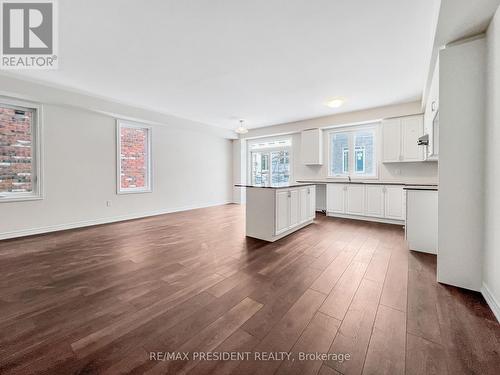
(99, 300)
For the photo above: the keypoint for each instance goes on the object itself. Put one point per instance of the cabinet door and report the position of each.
(282, 211)
(374, 201)
(294, 199)
(312, 203)
(304, 204)
(394, 202)
(335, 198)
(355, 199)
(311, 149)
(412, 128)
(391, 140)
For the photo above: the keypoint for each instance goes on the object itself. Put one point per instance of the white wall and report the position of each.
(191, 168)
(491, 264)
(239, 171)
(461, 158)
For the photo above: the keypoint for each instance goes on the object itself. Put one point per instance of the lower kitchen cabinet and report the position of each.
(282, 211)
(335, 198)
(294, 206)
(394, 202)
(355, 199)
(375, 202)
(272, 213)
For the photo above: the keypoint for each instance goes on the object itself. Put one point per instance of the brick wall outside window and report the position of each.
(133, 156)
(15, 150)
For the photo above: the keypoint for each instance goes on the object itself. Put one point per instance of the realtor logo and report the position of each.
(29, 34)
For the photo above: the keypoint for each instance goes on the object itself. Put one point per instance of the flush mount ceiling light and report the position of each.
(241, 129)
(335, 102)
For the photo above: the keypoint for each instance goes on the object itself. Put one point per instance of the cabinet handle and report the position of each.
(289, 194)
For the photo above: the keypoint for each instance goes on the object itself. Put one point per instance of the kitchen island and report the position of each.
(275, 211)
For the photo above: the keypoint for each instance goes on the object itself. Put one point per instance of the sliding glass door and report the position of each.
(270, 167)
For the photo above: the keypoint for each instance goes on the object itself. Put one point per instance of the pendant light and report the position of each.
(241, 129)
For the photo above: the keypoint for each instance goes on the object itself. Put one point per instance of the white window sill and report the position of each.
(120, 192)
(6, 198)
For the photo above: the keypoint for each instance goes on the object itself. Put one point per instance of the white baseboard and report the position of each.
(106, 220)
(366, 218)
(491, 300)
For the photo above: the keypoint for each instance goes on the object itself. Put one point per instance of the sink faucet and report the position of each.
(349, 177)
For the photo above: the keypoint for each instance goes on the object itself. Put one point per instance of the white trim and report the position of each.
(130, 124)
(491, 300)
(37, 151)
(290, 150)
(108, 220)
(366, 218)
(375, 127)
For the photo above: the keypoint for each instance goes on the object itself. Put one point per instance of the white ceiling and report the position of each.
(268, 61)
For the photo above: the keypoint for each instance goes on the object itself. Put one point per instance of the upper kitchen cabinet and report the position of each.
(311, 150)
(399, 139)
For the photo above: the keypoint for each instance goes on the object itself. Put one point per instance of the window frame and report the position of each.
(268, 150)
(36, 153)
(120, 123)
(374, 127)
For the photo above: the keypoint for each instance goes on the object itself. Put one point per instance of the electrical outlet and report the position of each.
(108, 203)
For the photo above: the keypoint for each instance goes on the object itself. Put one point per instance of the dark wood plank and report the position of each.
(316, 338)
(387, 348)
(356, 329)
(424, 357)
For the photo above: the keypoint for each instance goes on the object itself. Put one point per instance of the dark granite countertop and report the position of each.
(292, 185)
(421, 187)
(374, 182)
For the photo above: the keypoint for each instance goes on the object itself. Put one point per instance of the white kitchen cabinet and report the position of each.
(294, 198)
(335, 198)
(304, 204)
(412, 129)
(422, 220)
(374, 201)
(311, 149)
(394, 202)
(311, 207)
(275, 212)
(399, 139)
(355, 199)
(282, 211)
(391, 140)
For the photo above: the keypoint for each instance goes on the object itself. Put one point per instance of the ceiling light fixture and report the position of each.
(241, 129)
(335, 102)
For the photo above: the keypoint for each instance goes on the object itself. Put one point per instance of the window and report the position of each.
(134, 157)
(352, 153)
(270, 162)
(20, 161)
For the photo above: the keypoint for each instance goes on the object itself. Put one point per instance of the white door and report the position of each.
(335, 198)
(374, 205)
(412, 128)
(391, 140)
(312, 203)
(294, 207)
(394, 202)
(304, 204)
(355, 199)
(282, 211)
